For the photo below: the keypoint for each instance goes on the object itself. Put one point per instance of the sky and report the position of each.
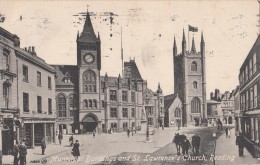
(148, 28)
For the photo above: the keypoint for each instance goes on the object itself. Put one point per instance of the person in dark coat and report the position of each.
(195, 142)
(185, 146)
(75, 150)
(128, 132)
(226, 130)
(240, 143)
(43, 146)
(16, 152)
(60, 138)
(22, 153)
(71, 140)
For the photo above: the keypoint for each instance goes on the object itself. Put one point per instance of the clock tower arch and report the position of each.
(89, 66)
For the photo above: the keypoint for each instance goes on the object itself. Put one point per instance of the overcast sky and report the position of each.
(229, 28)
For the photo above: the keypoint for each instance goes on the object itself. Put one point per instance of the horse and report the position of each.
(178, 140)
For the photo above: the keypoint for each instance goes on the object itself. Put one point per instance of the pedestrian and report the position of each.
(195, 143)
(240, 143)
(22, 153)
(75, 150)
(60, 138)
(16, 153)
(71, 140)
(128, 132)
(132, 131)
(94, 134)
(226, 130)
(43, 145)
(229, 132)
(185, 146)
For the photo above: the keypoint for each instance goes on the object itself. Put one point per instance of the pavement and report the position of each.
(226, 152)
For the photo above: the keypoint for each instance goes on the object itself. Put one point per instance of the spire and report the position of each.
(98, 39)
(193, 48)
(202, 38)
(88, 34)
(183, 37)
(159, 90)
(174, 43)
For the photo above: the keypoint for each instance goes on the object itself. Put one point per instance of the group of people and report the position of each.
(181, 141)
(19, 153)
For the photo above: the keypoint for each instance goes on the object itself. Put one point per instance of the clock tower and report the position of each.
(89, 66)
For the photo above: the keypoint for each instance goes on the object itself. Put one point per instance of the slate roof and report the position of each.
(135, 74)
(88, 34)
(64, 71)
(168, 100)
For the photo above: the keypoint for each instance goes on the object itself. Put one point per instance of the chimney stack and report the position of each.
(29, 49)
(33, 49)
(25, 48)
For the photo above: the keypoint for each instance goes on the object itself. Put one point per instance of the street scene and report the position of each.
(111, 82)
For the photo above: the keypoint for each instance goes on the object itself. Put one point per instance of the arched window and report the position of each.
(195, 105)
(86, 103)
(177, 112)
(86, 88)
(72, 104)
(194, 66)
(62, 106)
(6, 60)
(89, 78)
(95, 103)
(195, 85)
(90, 103)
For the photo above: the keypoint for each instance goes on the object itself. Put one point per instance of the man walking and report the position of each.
(60, 138)
(128, 132)
(22, 153)
(226, 130)
(240, 143)
(16, 152)
(43, 145)
(195, 143)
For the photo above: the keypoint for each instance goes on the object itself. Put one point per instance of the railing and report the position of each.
(252, 147)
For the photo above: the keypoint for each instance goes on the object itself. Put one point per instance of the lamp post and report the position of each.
(146, 112)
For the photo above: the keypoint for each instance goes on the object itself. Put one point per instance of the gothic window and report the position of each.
(89, 78)
(61, 106)
(177, 112)
(86, 103)
(90, 103)
(95, 103)
(194, 66)
(195, 105)
(195, 85)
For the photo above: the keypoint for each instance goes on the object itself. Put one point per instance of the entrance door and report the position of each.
(7, 137)
(38, 134)
(90, 123)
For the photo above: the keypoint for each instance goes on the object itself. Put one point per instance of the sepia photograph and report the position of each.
(129, 82)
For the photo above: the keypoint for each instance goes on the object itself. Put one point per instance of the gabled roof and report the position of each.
(168, 100)
(63, 71)
(88, 34)
(134, 72)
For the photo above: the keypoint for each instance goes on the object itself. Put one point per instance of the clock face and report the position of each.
(88, 58)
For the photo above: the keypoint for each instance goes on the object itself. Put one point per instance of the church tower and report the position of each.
(190, 81)
(89, 66)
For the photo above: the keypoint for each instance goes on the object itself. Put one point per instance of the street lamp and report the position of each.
(146, 111)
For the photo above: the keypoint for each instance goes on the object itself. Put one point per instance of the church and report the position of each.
(190, 81)
(88, 101)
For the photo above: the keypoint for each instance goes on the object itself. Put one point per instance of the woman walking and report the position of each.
(75, 150)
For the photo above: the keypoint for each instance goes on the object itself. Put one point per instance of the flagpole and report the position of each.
(188, 38)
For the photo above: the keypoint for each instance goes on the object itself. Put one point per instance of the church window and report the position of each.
(194, 66)
(95, 103)
(62, 106)
(195, 85)
(90, 103)
(195, 105)
(89, 81)
(86, 103)
(177, 112)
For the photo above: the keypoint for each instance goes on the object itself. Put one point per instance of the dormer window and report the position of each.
(66, 80)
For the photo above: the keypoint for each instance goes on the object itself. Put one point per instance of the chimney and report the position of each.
(25, 49)
(216, 94)
(29, 49)
(211, 95)
(33, 49)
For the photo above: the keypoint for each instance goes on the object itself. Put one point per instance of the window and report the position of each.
(177, 112)
(113, 95)
(72, 104)
(255, 96)
(132, 96)
(150, 121)
(113, 112)
(195, 85)
(195, 105)
(149, 110)
(95, 103)
(256, 130)
(194, 66)
(39, 81)
(49, 106)
(6, 61)
(49, 82)
(25, 102)
(86, 103)
(39, 104)
(124, 96)
(133, 112)
(89, 78)
(25, 73)
(254, 63)
(66, 80)
(250, 68)
(113, 127)
(103, 104)
(252, 129)
(62, 106)
(246, 74)
(90, 103)
(125, 112)
(6, 87)
(247, 99)
(251, 98)
(125, 126)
